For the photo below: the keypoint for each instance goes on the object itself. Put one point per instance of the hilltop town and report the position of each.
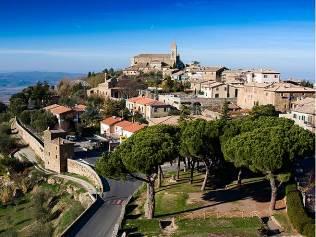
(219, 151)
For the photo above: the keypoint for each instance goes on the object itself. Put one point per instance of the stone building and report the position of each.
(199, 74)
(303, 113)
(65, 114)
(147, 107)
(279, 95)
(116, 127)
(57, 150)
(158, 60)
(263, 76)
(234, 75)
(213, 89)
(114, 88)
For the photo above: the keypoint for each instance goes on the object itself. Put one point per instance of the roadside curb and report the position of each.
(118, 225)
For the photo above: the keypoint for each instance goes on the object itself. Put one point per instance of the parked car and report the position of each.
(71, 138)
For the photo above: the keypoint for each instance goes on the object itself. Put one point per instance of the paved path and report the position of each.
(102, 223)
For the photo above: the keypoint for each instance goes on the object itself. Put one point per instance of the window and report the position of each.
(225, 88)
(165, 109)
(155, 109)
(276, 76)
(265, 76)
(294, 116)
(217, 89)
(56, 156)
(216, 95)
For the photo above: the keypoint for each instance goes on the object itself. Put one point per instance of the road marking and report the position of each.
(115, 202)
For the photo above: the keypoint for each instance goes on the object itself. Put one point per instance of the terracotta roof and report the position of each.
(111, 120)
(123, 124)
(146, 101)
(210, 69)
(306, 106)
(51, 106)
(212, 84)
(58, 109)
(80, 108)
(280, 87)
(304, 101)
(134, 127)
(288, 87)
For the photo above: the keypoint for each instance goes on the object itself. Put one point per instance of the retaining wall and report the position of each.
(34, 142)
(85, 170)
(77, 224)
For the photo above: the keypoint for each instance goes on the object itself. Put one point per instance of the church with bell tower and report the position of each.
(158, 60)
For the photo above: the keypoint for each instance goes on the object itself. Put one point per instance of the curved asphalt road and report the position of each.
(102, 222)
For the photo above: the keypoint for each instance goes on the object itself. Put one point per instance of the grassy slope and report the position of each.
(13, 218)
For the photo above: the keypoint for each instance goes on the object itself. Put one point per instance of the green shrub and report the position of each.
(290, 188)
(296, 211)
(309, 230)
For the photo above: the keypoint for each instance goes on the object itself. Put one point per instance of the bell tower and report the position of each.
(174, 53)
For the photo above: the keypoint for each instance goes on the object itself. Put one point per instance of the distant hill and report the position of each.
(13, 82)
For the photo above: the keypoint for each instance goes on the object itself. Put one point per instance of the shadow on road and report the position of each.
(106, 185)
(83, 219)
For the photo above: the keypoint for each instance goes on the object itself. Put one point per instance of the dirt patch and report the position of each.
(247, 207)
(195, 198)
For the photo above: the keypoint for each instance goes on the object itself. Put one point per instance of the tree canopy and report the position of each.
(269, 150)
(263, 110)
(200, 141)
(140, 157)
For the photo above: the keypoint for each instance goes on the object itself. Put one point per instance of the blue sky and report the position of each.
(81, 36)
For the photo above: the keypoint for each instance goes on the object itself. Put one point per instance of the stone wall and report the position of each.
(73, 166)
(34, 142)
(85, 170)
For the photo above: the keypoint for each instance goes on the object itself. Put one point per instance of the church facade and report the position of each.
(157, 61)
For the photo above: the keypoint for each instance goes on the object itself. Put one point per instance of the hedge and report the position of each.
(296, 212)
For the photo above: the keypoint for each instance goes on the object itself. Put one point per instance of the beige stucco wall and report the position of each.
(151, 112)
(105, 129)
(214, 92)
(248, 96)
